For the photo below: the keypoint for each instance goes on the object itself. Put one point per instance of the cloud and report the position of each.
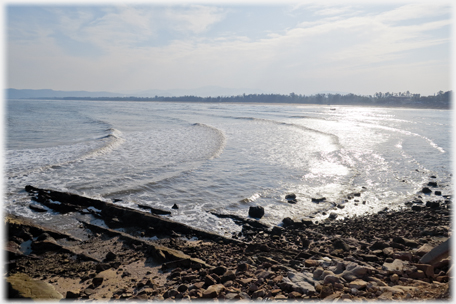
(195, 19)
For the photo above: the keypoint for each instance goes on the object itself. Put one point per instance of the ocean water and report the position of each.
(224, 157)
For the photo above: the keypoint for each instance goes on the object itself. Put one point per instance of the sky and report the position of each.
(304, 47)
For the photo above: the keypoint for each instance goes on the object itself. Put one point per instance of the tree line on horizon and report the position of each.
(406, 99)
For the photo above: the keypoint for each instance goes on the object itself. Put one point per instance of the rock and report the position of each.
(340, 244)
(228, 276)
(209, 280)
(44, 243)
(20, 285)
(287, 222)
(331, 279)
(291, 198)
(395, 267)
(378, 245)
(256, 212)
(436, 254)
(438, 192)
(259, 294)
(432, 184)
(276, 230)
(37, 208)
(388, 251)
(300, 282)
(110, 256)
(175, 206)
(417, 208)
(433, 204)
(358, 284)
(73, 294)
(220, 270)
(326, 290)
(182, 288)
(426, 190)
(318, 200)
(243, 267)
(423, 250)
(354, 271)
(332, 216)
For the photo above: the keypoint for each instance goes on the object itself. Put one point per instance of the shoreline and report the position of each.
(373, 257)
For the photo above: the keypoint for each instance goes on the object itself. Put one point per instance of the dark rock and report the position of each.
(416, 208)
(287, 222)
(426, 190)
(243, 267)
(438, 192)
(37, 208)
(71, 294)
(276, 230)
(209, 280)
(228, 276)
(340, 244)
(378, 245)
(433, 205)
(182, 288)
(290, 196)
(432, 184)
(175, 206)
(256, 212)
(318, 200)
(332, 216)
(110, 257)
(220, 270)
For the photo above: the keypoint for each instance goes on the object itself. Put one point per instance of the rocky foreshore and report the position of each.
(392, 255)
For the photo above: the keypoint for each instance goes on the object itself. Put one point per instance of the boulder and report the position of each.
(256, 212)
(22, 286)
(436, 254)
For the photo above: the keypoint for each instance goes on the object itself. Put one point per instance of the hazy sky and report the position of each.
(302, 47)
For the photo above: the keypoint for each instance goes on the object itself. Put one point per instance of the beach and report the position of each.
(391, 255)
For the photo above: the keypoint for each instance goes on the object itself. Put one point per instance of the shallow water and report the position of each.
(224, 157)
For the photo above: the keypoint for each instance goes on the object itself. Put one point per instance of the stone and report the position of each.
(20, 285)
(228, 276)
(175, 206)
(416, 208)
(332, 216)
(256, 212)
(340, 244)
(426, 190)
(243, 267)
(331, 279)
(436, 254)
(358, 284)
(259, 294)
(388, 251)
(287, 222)
(423, 250)
(311, 263)
(326, 291)
(73, 294)
(209, 280)
(294, 295)
(395, 267)
(301, 282)
(220, 270)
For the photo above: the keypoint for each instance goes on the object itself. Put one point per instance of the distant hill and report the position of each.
(208, 91)
(47, 93)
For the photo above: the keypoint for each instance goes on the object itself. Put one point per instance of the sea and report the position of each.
(224, 158)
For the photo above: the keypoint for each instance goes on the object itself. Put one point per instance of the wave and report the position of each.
(221, 139)
(103, 145)
(334, 137)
